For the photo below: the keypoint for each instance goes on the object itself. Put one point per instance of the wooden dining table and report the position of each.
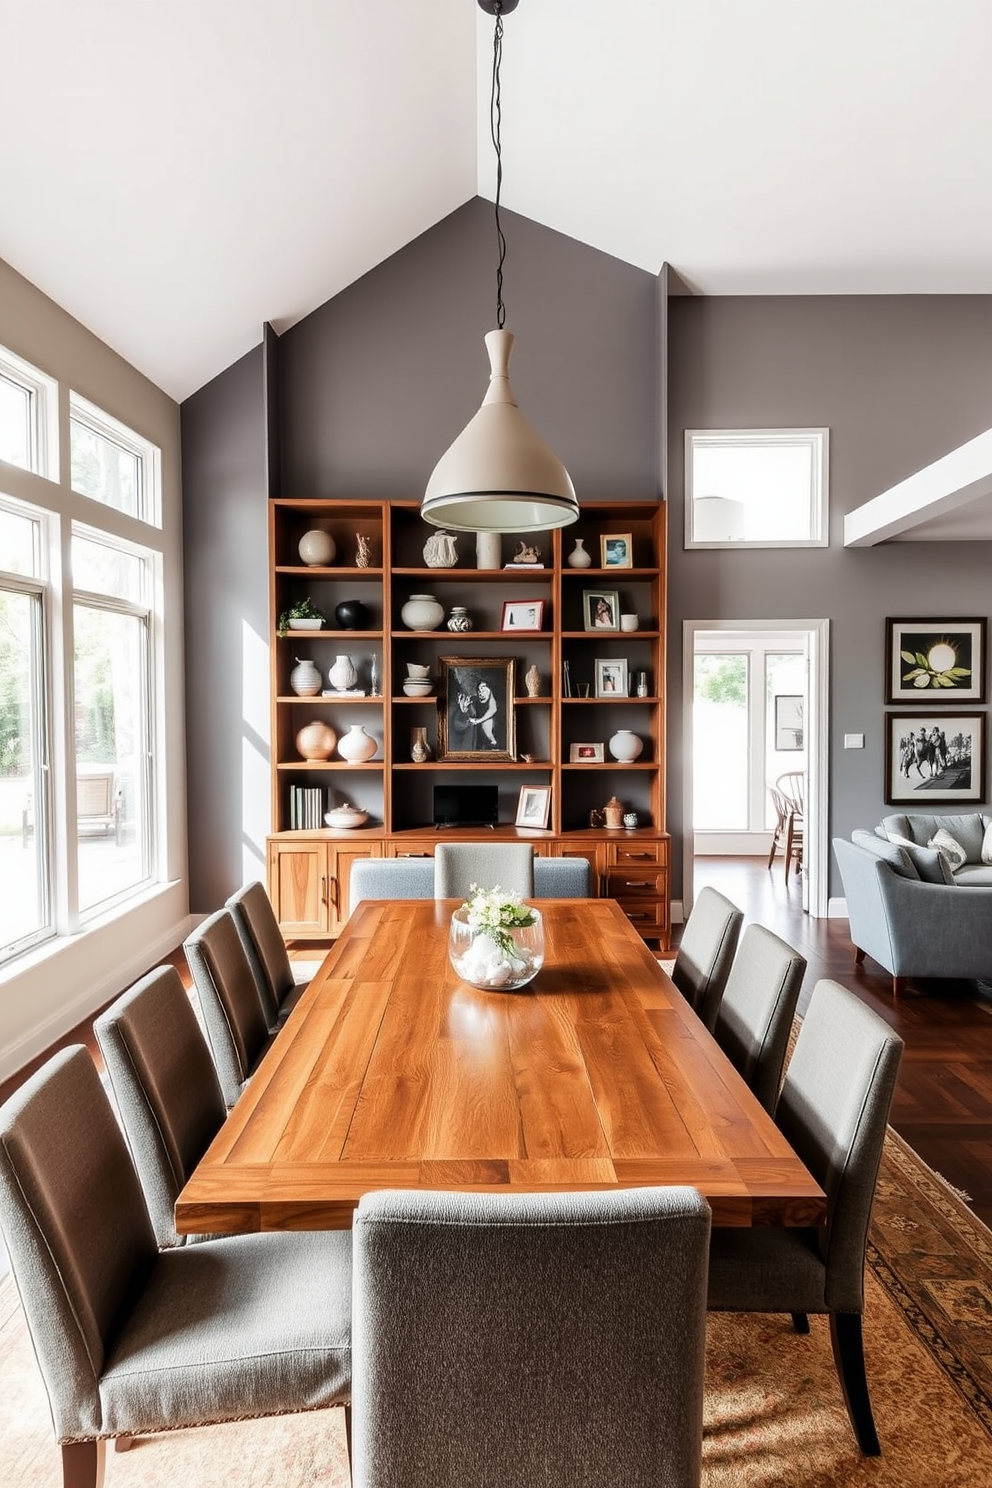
(391, 1072)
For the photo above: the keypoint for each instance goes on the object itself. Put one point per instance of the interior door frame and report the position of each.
(815, 828)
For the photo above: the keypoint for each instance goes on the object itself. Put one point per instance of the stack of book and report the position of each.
(306, 807)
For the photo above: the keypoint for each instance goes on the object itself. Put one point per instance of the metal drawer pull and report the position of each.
(637, 916)
(638, 883)
(413, 855)
(632, 855)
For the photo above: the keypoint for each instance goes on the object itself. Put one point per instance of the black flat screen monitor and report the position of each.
(466, 805)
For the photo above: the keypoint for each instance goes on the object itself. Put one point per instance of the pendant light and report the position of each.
(499, 475)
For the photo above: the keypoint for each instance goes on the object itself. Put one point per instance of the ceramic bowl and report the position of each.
(346, 816)
(416, 672)
(417, 689)
(302, 623)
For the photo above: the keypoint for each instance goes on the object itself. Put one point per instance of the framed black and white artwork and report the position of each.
(935, 661)
(933, 759)
(476, 719)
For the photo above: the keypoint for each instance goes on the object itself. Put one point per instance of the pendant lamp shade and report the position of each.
(499, 475)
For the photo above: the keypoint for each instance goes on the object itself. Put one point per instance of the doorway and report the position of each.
(762, 686)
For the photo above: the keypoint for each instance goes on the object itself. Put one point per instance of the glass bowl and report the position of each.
(500, 961)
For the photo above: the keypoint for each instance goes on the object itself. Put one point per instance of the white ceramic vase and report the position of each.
(317, 547)
(342, 674)
(625, 746)
(357, 746)
(305, 679)
(488, 549)
(422, 612)
(578, 557)
(459, 618)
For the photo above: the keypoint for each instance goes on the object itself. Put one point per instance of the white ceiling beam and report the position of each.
(962, 476)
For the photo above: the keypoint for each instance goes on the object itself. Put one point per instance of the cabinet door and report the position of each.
(340, 860)
(299, 887)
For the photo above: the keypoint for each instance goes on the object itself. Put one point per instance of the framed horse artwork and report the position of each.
(932, 759)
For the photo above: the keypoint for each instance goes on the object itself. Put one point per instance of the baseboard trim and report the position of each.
(836, 909)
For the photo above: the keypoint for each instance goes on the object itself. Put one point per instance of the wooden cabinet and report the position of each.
(587, 667)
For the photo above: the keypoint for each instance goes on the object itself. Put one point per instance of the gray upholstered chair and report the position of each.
(275, 978)
(233, 1014)
(529, 1338)
(166, 1088)
(413, 878)
(130, 1339)
(833, 1110)
(755, 1013)
(459, 865)
(706, 952)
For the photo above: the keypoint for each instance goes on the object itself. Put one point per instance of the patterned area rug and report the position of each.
(774, 1416)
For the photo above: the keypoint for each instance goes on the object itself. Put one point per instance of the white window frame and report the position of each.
(43, 396)
(148, 456)
(37, 586)
(815, 440)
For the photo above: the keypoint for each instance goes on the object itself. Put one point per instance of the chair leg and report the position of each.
(849, 1357)
(899, 984)
(859, 955)
(347, 1435)
(84, 1464)
(800, 1322)
(123, 1443)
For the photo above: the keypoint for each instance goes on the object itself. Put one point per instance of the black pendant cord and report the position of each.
(495, 119)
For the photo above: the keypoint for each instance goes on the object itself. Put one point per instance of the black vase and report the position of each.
(351, 614)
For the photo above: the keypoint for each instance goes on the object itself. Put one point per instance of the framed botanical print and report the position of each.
(935, 661)
(934, 759)
(476, 719)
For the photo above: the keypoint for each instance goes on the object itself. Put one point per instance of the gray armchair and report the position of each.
(166, 1088)
(706, 952)
(130, 1339)
(537, 1339)
(235, 1018)
(833, 1110)
(258, 929)
(754, 1017)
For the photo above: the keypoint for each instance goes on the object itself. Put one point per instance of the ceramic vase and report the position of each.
(488, 549)
(630, 819)
(422, 612)
(578, 557)
(459, 620)
(305, 679)
(357, 746)
(420, 750)
(625, 746)
(342, 674)
(351, 614)
(441, 550)
(316, 740)
(532, 681)
(317, 547)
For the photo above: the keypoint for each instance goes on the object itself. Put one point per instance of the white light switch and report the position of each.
(854, 741)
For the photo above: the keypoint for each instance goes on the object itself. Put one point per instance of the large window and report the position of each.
(78, 684)
(111, 627)
(25, 862)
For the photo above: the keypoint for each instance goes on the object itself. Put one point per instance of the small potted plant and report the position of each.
(303, 615)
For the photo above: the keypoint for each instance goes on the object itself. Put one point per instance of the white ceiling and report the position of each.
(176, 172)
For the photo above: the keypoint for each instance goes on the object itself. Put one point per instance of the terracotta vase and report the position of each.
(316, 740)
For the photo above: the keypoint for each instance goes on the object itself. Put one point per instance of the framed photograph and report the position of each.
(475, 714)
(611, 677)
(932, 759)
(522, 614)
(601, 609)
(616, 550)
(788, 721)
(927, 660)
(534, 806)
(586, 754)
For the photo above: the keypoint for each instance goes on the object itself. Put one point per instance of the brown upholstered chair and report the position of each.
(265, 948)
(235, 1019)
(706, 952)
(754, 1018)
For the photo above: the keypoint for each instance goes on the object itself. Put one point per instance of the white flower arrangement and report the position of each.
(496, 911)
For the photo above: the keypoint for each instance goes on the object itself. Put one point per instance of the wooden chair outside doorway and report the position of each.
(788, 798)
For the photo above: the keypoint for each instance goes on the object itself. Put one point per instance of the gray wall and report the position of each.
(374, 387)
(899, 381)
(227, 604)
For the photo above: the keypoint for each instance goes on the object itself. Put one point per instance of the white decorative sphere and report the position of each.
(317, 547)
(625, 746)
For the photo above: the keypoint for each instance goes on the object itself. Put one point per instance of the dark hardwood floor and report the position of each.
(943, 1104)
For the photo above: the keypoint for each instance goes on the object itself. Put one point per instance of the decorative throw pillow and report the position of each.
(931, 865)
(987, 844)
(950, 848)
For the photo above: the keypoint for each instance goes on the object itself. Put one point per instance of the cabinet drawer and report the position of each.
(649, 916)
(640, 852)
(623, 883)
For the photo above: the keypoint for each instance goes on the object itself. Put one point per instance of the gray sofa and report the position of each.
(413, 878)
(908, 909)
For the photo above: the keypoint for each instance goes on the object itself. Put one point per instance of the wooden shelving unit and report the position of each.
(309, 870)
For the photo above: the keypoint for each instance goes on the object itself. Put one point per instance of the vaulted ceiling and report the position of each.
(176, 172)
